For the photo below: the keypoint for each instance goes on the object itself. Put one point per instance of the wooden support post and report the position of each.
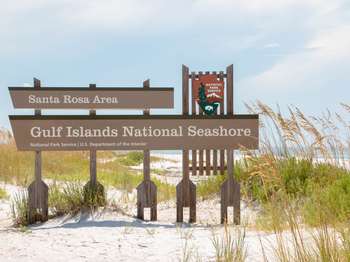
(147, 190)
(38, 190)
(186, 189)
(93, 190)
(230, 193)
(194, 105)
(201, 151)
(230, 189)
(222, 151)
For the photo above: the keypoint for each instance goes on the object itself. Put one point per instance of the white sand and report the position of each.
(116, 235)
(111, 235)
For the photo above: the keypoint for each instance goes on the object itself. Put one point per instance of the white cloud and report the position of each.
(123, 15)
(329, 50)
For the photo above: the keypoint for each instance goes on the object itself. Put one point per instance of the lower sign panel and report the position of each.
(134, 132)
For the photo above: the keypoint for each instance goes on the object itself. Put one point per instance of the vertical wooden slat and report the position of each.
(207, 153)
(200, 160)
(147, 190)
(215, 162)
(229, 73)
(37, 112)
(215, 152)
(229, 89)
(146, 152)
(201, 151)
(185, 106)
(230, 164)
(37, 190)
(194, 151)
(186, 189)
(222, 112)
(230, 189)
(208, 162)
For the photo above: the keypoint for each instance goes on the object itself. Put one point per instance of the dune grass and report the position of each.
(18, 168)
(230, 246)
(3, 193)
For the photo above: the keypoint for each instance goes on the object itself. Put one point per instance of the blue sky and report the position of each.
(286, 52)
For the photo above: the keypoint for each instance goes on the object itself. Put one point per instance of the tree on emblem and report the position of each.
(208, 108)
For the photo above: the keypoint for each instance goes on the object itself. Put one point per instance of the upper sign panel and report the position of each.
(85, 98)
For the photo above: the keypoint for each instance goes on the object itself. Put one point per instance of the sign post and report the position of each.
(147, 190)
(186, 189)
(230, 189)
(38, 190)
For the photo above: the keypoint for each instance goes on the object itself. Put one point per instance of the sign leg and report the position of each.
(147, 197)
(37, 195)
(186, 197)
(230, 193)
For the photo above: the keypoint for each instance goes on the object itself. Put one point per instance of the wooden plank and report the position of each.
(215, 155)
(229, 89)
(230, 189)
(68, 98)
(194, 166)
(93, 158)
(147, 197)
(38, 190)
(185, 79)
(185, 111)
(185, 190)
(37, 112)
(200, 160)
(207, 162)
(146, 153)
(201, 152)
(93, 167)
(147, 190)
(194, 112)
(207, 153)
(230, 193)
(229, 72)
(222, 112)
(215, 162)
(135, 134)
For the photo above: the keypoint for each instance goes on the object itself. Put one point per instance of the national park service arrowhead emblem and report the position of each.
(208, 92)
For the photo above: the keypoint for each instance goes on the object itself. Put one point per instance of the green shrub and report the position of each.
(210, 187)
(73, 198)
(329, 203)
(133, 158)
(165, 191)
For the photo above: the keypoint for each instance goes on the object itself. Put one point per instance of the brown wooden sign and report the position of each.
(134, 132)
(85, 98)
